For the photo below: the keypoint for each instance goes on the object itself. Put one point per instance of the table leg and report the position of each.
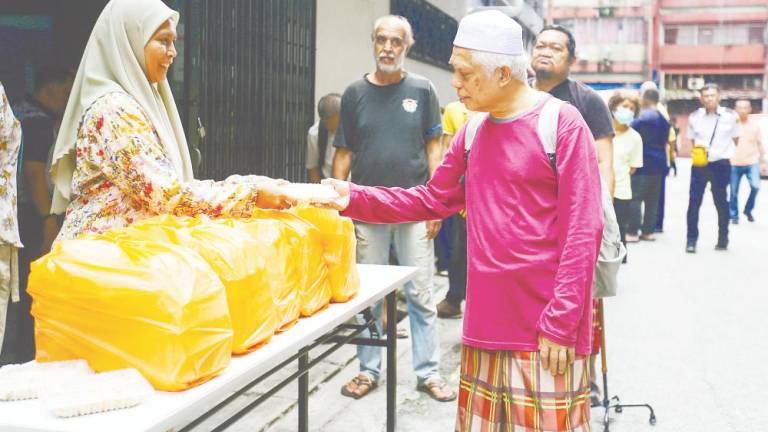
(391, 361)
(304, 392)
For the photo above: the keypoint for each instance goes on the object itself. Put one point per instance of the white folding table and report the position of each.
(175, 411)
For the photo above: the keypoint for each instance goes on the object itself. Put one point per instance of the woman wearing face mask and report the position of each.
(627, 154)
(121, 154)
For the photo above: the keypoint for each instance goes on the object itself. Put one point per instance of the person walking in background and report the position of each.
(390, 123)
(454, 118)
(750, 154)
(627, 154)
(320, 150)
(646, 181)
(715, 129)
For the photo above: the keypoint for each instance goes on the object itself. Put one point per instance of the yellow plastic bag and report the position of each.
(339, 243)
(315, 292)
(245, 277)
(153, 306)
(280, 248)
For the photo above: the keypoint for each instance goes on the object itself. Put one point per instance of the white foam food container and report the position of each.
(28, 380)
(91, 394)
(310, 192)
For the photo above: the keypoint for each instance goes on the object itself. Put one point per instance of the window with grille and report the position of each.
(433, 30)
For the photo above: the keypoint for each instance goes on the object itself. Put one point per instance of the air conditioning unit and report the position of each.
(695, 83)
(605, 66)
(605, 11)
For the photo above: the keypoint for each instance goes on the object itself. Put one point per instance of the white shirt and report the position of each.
(627, 154)
(701, 126)
(312, 151)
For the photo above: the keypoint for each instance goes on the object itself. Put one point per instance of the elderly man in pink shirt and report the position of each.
(533, 238)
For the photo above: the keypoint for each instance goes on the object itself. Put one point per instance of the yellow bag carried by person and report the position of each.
(249, 294)
(699, 156)
(339, 244)
(153, 306)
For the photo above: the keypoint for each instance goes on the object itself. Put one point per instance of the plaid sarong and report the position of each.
(507, 391)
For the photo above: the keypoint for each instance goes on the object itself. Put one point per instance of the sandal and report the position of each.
(358, 387)
(437, 389)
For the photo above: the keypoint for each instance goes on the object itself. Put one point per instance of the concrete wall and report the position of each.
(344, 49)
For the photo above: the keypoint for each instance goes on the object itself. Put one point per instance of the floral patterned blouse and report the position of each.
(10, 143)
(122, 174)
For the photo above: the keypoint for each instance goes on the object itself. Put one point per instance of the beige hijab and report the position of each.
(114, 62)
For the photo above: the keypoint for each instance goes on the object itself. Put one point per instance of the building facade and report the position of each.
(611, 39)
(719, 41)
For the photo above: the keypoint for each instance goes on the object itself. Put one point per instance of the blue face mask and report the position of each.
(624, 116)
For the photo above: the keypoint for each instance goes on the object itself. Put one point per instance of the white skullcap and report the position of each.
(490, 31)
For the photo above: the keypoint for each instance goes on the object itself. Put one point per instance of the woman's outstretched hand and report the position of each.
(272, 196)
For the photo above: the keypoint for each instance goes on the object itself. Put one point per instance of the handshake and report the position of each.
(281, 194)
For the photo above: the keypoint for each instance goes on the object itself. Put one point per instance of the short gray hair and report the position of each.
(329, 105)
(403, 21)
(492, 61)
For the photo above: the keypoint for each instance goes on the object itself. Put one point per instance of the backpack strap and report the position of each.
(473, 124)
(547, 128)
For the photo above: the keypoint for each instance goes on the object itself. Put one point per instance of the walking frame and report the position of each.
(613, 403)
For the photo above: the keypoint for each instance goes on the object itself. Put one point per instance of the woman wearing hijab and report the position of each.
(121, 154)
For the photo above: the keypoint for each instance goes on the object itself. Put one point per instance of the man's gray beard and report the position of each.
(397, 67)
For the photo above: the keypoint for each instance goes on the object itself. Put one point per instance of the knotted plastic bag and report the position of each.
(315, 290)
(153, 306)
(245, 277)
(294, 260)
(339, 244)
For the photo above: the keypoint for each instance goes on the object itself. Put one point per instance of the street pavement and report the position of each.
(686, 334)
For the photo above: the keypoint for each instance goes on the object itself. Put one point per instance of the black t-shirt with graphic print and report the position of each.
(386, 128)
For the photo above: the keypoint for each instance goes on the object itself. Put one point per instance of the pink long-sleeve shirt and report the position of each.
(532, 236)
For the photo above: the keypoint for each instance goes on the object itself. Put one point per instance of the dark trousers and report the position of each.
(717, 173)
(660, 208)
(19, 343)
(621, 207)
(644, 204)
(457, 271)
